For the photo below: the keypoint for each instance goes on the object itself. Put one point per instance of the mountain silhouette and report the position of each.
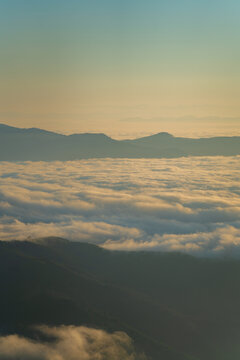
(35, 144)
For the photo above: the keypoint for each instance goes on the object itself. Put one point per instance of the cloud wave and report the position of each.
(186, 204)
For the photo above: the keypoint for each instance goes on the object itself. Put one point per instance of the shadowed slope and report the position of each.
(191, 305)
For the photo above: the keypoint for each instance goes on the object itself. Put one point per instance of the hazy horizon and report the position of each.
(122, 68)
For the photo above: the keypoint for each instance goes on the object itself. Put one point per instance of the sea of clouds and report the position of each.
(71, 343)
(186, 204)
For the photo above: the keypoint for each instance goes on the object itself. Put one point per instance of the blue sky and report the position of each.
(96, 63)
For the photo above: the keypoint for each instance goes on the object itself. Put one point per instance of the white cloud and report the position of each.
(221, 241)
(186, 204)
(71, 343)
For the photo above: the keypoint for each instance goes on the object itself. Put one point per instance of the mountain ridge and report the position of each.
(19, 144)
(158, 134)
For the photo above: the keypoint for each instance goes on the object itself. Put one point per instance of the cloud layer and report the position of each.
(71, 343)
(186, 204)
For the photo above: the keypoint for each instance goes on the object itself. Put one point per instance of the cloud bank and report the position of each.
(186, 204)
(70, 343)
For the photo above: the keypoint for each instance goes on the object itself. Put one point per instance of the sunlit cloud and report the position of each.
(71, 343)
(186, 204)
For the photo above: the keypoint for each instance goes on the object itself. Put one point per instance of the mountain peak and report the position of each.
(160, 135)
(50, 240)
(164, 134)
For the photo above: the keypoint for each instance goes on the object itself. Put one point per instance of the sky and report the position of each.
(126, 68)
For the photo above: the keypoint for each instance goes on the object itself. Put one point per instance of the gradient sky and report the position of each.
(125, 68)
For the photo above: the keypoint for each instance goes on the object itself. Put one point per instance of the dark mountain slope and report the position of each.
(40, 285)
(191, 305)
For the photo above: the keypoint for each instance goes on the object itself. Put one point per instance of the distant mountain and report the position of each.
(36, 144)
(6, 129)
(174, 306)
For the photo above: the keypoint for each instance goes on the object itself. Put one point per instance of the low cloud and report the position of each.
(221, 241)
(70, 343)
(186, 204)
